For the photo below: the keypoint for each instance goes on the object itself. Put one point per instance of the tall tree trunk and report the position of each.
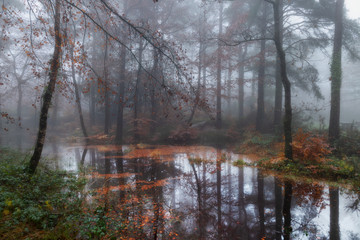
(136, 95)
(278, 83)
(120, 115)
(228, 87)
(261, 75)
(218, 71)
(241, 73)
(153, 99)
(94, 83)
(92, 103)
(19, 106)
(48, 92)
(203, 92)
(106, 92)
(77, 94)
(120, 111)
(284, 79)
(336, 74)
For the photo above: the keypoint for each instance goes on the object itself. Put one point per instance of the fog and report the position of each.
(175, 62)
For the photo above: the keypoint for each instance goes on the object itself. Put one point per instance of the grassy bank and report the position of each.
(313, 158)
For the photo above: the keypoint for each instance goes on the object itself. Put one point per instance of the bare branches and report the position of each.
(234, 43)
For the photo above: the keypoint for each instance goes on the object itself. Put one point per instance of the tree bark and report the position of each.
(136, 95)
(120, 111)
(106, 86)
(228, 88)
(48, 92)
(278, 84)
(77, 95)
(284, 79)
(154, 103)
(19, 110)
(336, 74)
(261, 76)
(120, 116)
(218, 72)
(241, 73)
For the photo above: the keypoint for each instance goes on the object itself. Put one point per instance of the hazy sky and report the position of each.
(353, 7)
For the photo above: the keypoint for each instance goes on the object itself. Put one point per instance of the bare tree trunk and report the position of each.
(261, 75)
(106, 86)
(77, 94)
(284, 79)
(92, 104)
(48, 92)
(218, 71)
(19, 106)
(228, 86)
(153, 99)
(278, 84)
(242, 54)
(136, 95)
(336, 74)
(204, 77)
(120, 116)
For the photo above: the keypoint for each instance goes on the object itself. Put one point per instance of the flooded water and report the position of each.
(195, 192)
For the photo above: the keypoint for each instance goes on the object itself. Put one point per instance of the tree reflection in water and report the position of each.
(196, 193)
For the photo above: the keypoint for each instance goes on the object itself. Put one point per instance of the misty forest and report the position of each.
(179, 119)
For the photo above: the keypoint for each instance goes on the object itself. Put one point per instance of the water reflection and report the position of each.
(196, 193)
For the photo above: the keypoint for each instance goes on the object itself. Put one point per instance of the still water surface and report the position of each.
(172, 192)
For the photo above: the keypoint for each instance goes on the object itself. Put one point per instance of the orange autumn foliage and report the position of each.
(309, 148)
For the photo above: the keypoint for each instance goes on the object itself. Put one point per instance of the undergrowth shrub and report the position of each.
(183, 135)
(310, 149)
(47, 201)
